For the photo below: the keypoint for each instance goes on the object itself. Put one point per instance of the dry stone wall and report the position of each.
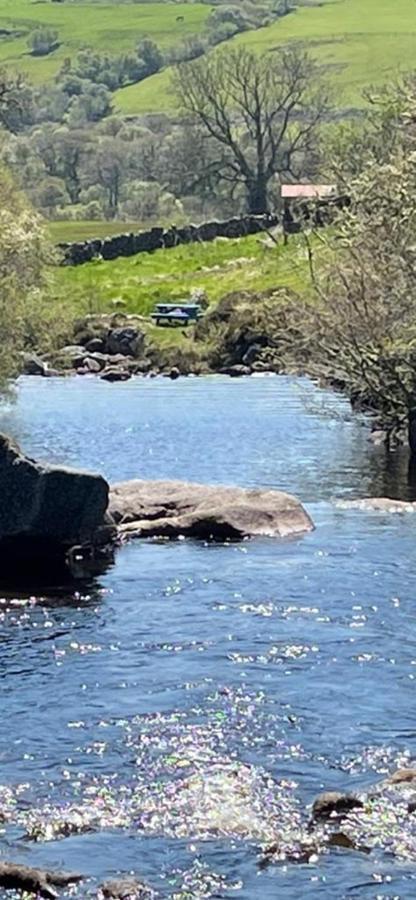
(130, 244)
(163, 238)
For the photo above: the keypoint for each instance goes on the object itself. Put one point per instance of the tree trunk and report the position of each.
(257, 197)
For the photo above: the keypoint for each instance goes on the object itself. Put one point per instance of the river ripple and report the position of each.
(246, 676)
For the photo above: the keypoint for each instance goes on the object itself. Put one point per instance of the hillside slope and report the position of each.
(359, 42)
(106, 25)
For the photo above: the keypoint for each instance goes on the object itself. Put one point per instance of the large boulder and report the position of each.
(127, 340)
(173, 508)
(46, 511)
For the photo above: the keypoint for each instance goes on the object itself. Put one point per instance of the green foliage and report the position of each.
(43, 41)
(363, 328)
(26, 318)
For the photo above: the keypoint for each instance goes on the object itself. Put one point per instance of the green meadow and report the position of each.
(359, 43)
(217, 268)
(105, 26)
(71, 231)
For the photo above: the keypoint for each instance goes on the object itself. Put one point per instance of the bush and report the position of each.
(26, 319)
(43, 41)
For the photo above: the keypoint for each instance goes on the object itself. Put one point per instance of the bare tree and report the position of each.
(265, 112)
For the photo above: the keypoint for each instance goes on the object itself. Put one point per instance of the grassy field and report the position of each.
(358, 42)
(217, 268)
(71, 231)
(104, 25)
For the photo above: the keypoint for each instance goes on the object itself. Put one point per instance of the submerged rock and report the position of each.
(173, 508)
(378, 504)
(332, 804)
(125, 889)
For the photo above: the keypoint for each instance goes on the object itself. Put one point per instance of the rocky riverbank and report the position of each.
(117, 346)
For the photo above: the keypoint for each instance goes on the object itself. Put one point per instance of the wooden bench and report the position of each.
(176, 313)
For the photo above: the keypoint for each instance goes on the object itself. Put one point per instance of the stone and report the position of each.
(174, 373)
(173, 508)
(73, 355)
(95, 345)
(33, 365)
(125, 889)
(39, 882)
(126, 340)
(92, 365)
(237, 371)
(252, 354)
(332, 804)
(115, 374)
(403, 776)
(45, 511)
(378, 504)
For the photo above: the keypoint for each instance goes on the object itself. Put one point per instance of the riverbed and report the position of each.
(294, 659)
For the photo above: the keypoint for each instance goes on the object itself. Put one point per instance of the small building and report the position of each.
(303, 195)
(307, 191)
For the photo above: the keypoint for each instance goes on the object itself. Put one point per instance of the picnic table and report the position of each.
(176, 313)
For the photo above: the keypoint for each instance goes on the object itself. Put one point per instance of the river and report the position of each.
(295, 659)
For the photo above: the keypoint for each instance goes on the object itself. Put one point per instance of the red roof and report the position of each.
(307, 190)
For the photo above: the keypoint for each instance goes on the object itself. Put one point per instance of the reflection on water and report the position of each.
(198, 697)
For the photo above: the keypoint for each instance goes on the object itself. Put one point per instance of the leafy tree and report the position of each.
(263, 113)
(25, 318)
(363, 328)
(43, 41)
(152, 57)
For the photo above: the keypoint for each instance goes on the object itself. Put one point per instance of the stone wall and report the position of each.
(164, 238)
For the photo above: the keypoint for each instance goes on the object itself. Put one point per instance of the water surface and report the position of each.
(295, 659)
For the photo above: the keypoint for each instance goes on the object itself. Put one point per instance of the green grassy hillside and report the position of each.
(217, 268)
(104, 25)
(359, 42)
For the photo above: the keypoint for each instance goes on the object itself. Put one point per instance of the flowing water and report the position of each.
(175, 716)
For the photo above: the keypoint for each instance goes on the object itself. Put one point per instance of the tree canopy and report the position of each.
(263, 114)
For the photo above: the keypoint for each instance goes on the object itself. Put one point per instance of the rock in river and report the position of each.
(46, 511)
(173, 508)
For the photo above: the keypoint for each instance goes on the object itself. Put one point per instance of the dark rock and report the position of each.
(115, 374)
(126, 889)
(95, 345)
(33, 365)
(174, 373)
(127, 341)
(236, 371)
(45, 511)
(334, 805)
(171, 509)
(35, 881)
(252, 354)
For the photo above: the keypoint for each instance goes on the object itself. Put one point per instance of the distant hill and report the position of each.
(359, 42)
(105, 25)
